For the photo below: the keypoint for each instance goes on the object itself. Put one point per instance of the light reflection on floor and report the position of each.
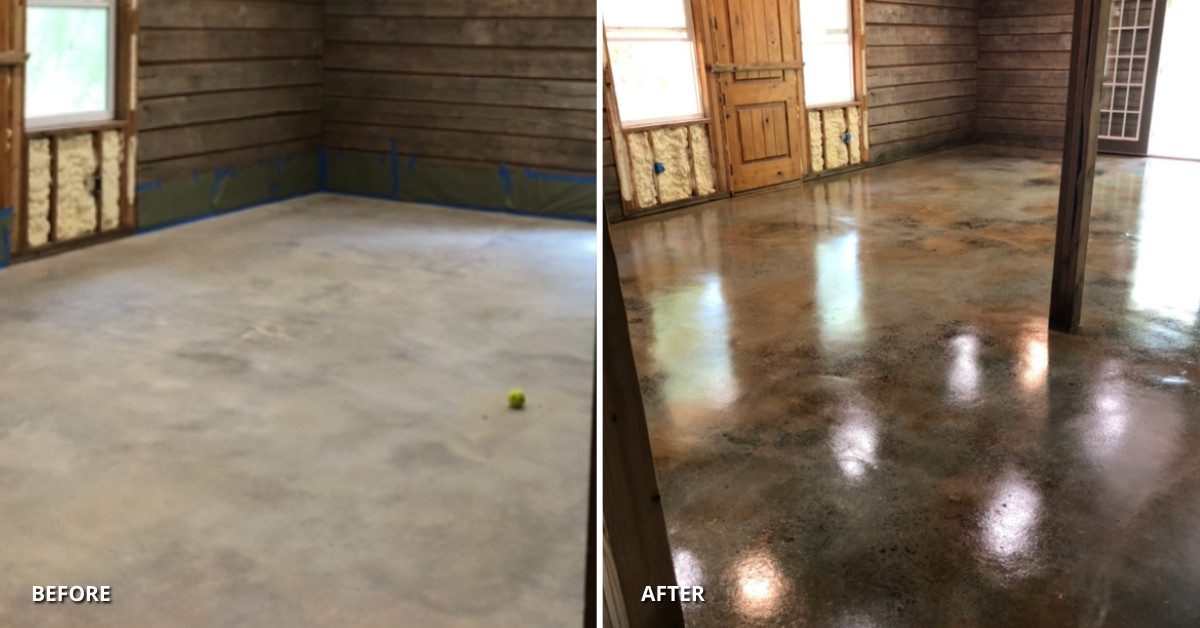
(1168, 257)
(859, 417)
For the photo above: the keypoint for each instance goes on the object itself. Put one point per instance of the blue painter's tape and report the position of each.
(146, 186)
(578, 179)
(506, 180)
(5, 238)
(395, 169)
(220, 176)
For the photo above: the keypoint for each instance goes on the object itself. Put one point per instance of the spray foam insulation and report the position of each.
(816, 148)
(38, 230)
(76, 211)
(672, 151)
(111, 157)
(834, 124)
(706, 175)
(854, 126)
(641, 163)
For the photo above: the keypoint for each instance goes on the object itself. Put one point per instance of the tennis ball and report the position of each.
(516, 399)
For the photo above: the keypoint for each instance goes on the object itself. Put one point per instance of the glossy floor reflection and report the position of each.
(859, 418)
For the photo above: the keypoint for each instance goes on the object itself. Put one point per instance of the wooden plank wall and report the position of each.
(224, 83)
(468, 81)
(921, 58)
(1024, 62)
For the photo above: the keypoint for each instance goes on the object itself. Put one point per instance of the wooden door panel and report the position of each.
(755, 30)
(757, 70)
(763, 129)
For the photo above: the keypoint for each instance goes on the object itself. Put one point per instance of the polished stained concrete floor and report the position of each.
(859, 417)
(296, 416)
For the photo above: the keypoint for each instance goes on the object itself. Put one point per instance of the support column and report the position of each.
(1089, 43)
(636, 551)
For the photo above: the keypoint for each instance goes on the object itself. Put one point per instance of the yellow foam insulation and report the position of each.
(76, 211)
(816, 151)
(854, 126)
(641, 163)
(834, 123)
(111, 157)
(621, 156)
(672, 151)
(38, 230)
(706, 174)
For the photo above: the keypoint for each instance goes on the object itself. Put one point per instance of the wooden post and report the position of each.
(589, 580)
(128, 34)
(1088, 46)
(636, 551)
(8, 59)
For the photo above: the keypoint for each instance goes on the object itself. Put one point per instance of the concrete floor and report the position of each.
(296, 416)
(859, 418)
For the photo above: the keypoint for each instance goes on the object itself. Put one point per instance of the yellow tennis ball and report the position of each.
(516, 399)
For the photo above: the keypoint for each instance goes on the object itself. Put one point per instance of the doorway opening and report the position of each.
(1173, 132)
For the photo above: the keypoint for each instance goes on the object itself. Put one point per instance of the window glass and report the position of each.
(825, 33)
(663, 88)
(68, 76)
(653, 61)
(643, 14)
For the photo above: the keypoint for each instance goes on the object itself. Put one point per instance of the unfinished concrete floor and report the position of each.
(296, 416)
(859, 418)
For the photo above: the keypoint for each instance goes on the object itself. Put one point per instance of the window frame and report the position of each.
(857, 59)
(701, 116)
(109, 113)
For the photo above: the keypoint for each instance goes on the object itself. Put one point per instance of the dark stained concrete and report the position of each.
(297, 416)
(860, 419)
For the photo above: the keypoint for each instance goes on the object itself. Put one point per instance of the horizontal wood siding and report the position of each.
(226, 83)
(463, 81)
(922, 74)
(1024, 62)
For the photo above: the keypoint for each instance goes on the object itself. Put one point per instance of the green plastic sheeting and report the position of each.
(392, 176)
(201, 194)
(462, 184)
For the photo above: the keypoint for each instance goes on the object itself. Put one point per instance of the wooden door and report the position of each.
(758, 72)
(1130, 73)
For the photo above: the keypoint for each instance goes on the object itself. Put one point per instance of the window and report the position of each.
(70, 76)
(826, 36)
(653, 60)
